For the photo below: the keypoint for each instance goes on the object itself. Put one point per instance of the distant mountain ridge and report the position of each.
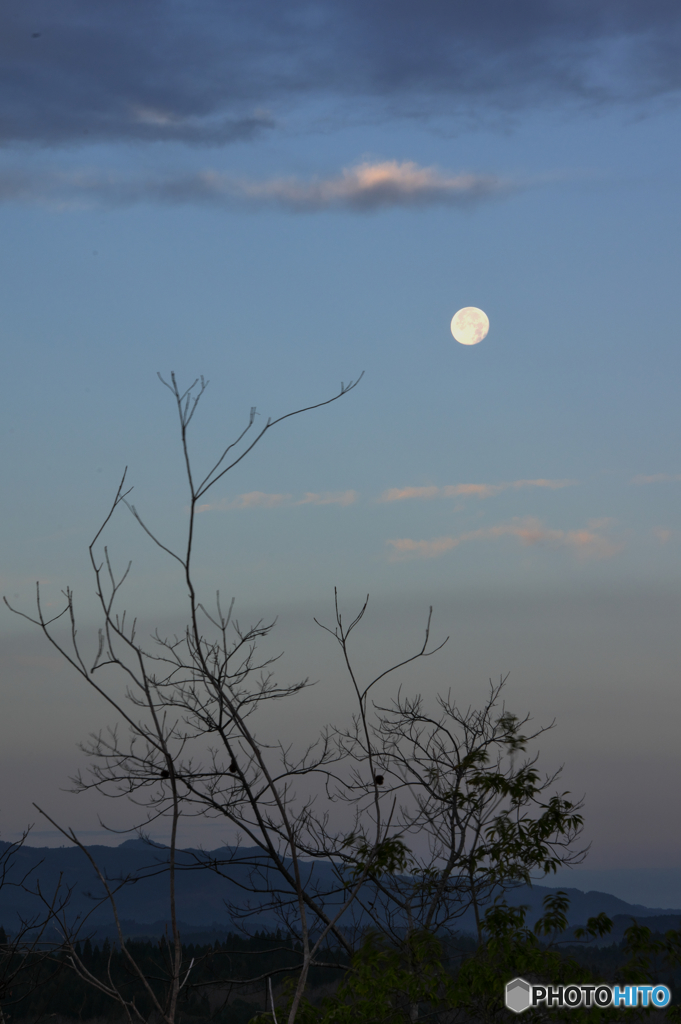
(202, 895)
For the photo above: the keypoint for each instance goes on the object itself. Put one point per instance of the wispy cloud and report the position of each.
(329, 498)
(369, 186)
(589, 542)
(469, 490)
(362, 188)
(657, 478)
(662, 534)
(260, 499)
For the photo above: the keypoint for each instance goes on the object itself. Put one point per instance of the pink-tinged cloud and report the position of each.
(253, 499)
(657, 478)
(662, 534)
(589, 542)
(469, 490)
(400, 493)
(260, 499)
(362, 188)
(553, 485)
(329, 498)
(424, 548)
(367, 186)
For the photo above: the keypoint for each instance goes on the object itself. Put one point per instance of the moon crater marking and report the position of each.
(470, 325)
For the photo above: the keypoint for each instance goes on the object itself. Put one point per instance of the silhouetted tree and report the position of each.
(460, 782)
(205, 685)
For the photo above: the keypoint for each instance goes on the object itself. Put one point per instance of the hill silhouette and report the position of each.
(204, 898)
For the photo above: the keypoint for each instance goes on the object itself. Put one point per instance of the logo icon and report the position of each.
(518, 995)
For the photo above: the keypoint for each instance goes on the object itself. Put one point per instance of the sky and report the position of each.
(281, 197)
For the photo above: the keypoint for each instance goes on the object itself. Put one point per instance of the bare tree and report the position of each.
(196, 745)
(202, 687)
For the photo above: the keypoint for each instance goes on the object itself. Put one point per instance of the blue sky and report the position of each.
(280, 198)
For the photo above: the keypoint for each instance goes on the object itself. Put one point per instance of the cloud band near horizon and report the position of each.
(261, 499)
(590, 542)
(657, 478)
(469, 490)
(361, 188)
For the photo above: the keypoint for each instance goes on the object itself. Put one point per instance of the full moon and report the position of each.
(470, 325)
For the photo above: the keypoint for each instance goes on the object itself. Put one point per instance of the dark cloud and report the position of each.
(212, 71)
(363, 188)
